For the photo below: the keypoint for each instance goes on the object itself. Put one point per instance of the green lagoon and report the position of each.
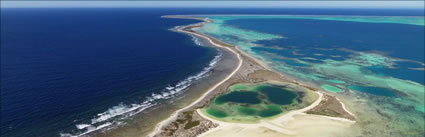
(251, 102)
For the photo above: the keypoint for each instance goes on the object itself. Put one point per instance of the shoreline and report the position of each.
(141, 124)
(174, 115)
(241, 55)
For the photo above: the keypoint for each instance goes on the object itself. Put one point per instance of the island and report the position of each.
(254, 100)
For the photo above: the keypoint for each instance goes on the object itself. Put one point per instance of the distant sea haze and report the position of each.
(71, 71)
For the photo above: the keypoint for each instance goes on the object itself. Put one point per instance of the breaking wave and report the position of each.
(196, 40)
(113, 116)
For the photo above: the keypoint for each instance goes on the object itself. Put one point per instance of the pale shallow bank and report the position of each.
(294, 123)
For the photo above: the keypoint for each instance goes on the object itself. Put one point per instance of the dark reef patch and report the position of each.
(239, 97)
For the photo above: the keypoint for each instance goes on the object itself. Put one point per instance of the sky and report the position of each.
(224, 4)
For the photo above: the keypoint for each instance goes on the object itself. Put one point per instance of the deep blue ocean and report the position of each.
(61, 67)
(64, 67)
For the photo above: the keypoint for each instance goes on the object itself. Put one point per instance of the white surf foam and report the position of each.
(112, 116)
(196, 40)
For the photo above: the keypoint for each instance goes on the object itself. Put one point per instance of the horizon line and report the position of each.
(217, 4)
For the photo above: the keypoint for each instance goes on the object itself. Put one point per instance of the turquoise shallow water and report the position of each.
(379, 59)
